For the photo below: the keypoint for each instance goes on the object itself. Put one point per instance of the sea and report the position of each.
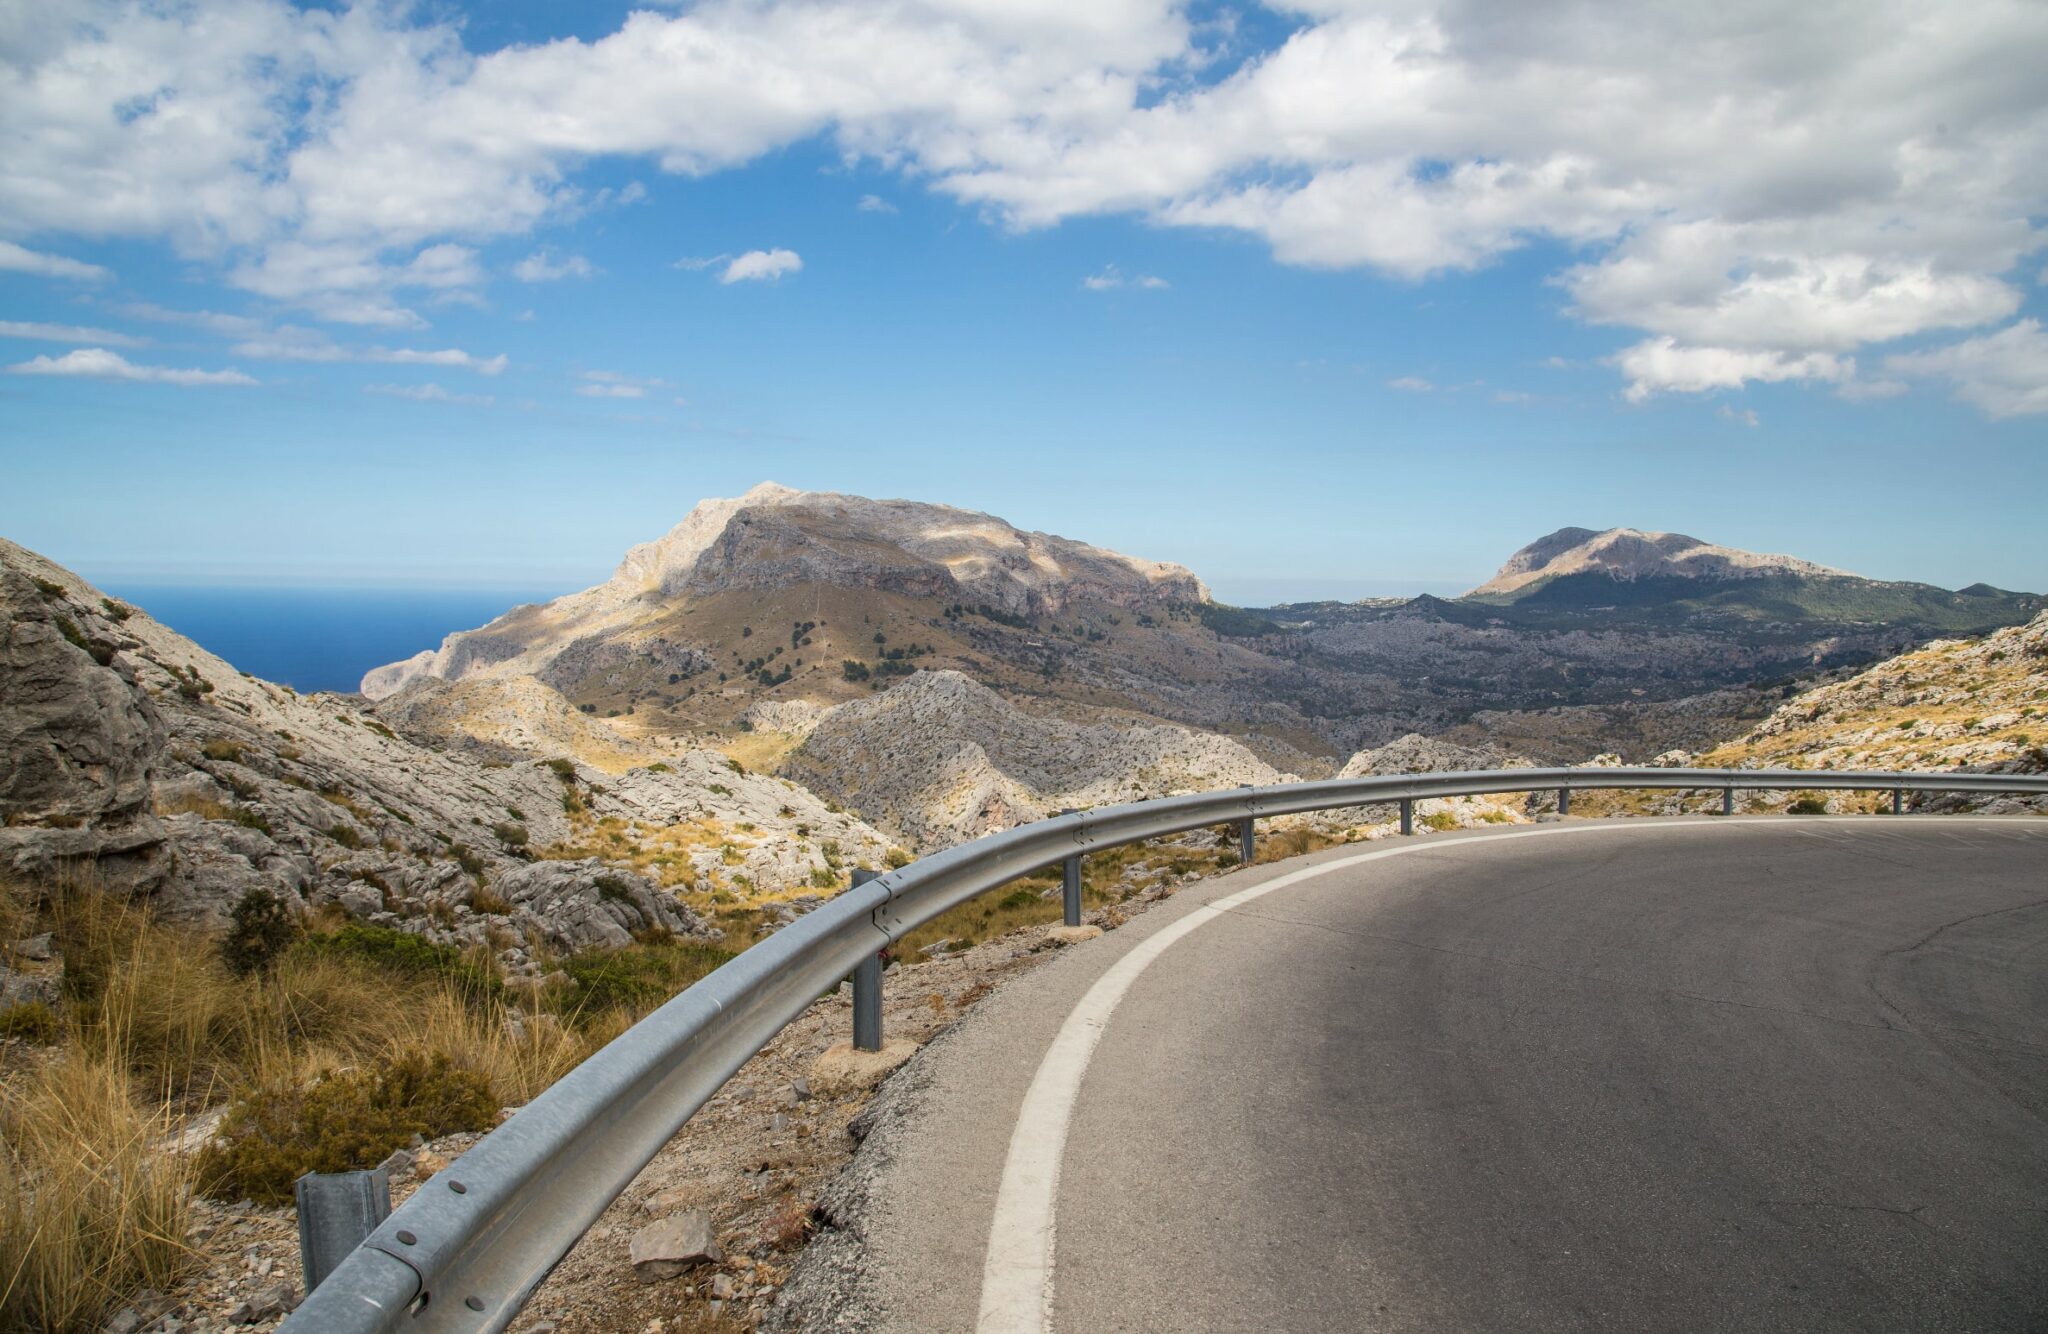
(318, 638)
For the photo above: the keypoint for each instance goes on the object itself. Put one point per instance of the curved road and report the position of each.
(1772, 1073)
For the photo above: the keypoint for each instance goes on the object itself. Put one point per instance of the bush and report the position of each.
(221, 749)
(404, 953)
(346, 1121)
(511, 835)
(31, 1021)
(634, 979)
(1807, 803)
(260, 928)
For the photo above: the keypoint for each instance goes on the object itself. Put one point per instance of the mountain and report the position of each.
(1630, 554)
(130, 754)
(1576, 575)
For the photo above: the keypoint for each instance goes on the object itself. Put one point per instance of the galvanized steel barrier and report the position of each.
(468, 1249)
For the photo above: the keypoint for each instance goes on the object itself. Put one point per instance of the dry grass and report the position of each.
(90, 1210)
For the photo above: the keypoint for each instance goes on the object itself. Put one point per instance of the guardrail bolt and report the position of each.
(1407, 815)
(1564, 801)
(867, 989)
(336, 1211)
(1727, 801)
(1898, 801)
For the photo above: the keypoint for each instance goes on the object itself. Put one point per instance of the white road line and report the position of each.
(1017, 1274)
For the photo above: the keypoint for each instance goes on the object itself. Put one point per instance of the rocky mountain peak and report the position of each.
(1634, 553)
(775, 537)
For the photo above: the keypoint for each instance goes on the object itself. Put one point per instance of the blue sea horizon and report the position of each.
(318, 637)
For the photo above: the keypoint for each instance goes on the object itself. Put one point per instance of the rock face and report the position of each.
(586, 904)
(77, 737)
(774, 537)
(1631, 553)
(1417, 754)
(945, 759)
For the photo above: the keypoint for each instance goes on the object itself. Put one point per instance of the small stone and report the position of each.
(265, 1305)
(673, 1245)
(721, 1287)
(37, 949)
(399, 1161)
(802, 1088)
(777, 1124)
(124, 1321)
(1071, 935)
(845, 1069)
(426, 1163)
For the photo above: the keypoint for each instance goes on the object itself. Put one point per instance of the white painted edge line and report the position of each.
(1016, 1275)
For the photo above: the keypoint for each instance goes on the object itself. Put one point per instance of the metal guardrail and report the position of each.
(468, 1249)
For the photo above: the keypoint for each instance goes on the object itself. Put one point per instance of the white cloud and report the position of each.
(213, 321)
(293, 343)
(1660, 365)
(760, 265)
(875, 204)
(2004, 373)
(1740, 416)
(1771, 188)
(427, 393)
(1111, 278)
(611, 384)
(101, 364)
(67, 333)
(20, 259)
(542, 267)
(1413, 384)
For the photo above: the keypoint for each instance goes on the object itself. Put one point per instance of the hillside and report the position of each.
(1979, 704)
(133, 752)
(1630, 554)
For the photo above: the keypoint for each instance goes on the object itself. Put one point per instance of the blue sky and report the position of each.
(1334, 300)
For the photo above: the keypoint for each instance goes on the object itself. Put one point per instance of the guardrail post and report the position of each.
(867, 990)
(1407, 815)
(1070, 884)
(1247, 841)
(1727, 801)
(1564, 801)
(336, 1211)
(1898, 801)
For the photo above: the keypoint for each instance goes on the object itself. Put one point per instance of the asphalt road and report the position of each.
(1771, 1073)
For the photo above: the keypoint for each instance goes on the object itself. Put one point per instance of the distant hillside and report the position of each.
(1631, 553)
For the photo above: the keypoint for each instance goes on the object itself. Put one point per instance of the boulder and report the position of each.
(586, 904)
(675, 1245)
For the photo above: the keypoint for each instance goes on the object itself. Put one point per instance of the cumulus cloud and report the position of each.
(761, 265)
(20, 259)
(1756, 193)
(1413, 384)
(1740, 416)
(1111, 278)
(99, 363)
(2004, 373)
(875, 204)
(1659, 365)
(67, 333)
(543, 267)
(427, 393)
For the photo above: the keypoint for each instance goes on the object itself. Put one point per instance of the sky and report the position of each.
(1321, 299)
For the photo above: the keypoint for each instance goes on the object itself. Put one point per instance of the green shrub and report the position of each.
(49, 588)
(634, 979)
(221, 749)
(614, 889)
(562, 769)
(346, 1121)
(466, 859)
(31, 1021)
(116, 610)
(1807, 803)
(511, 835)
(403, 952)
(260, 928)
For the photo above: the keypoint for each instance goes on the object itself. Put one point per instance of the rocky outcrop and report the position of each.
(78, 740)
(580, 905)
(944, 759)
(1417, 754)
(511, 718)
(1631, 553)
(1979, 705)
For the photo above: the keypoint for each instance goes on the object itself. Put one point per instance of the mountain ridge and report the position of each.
(1635, 553)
